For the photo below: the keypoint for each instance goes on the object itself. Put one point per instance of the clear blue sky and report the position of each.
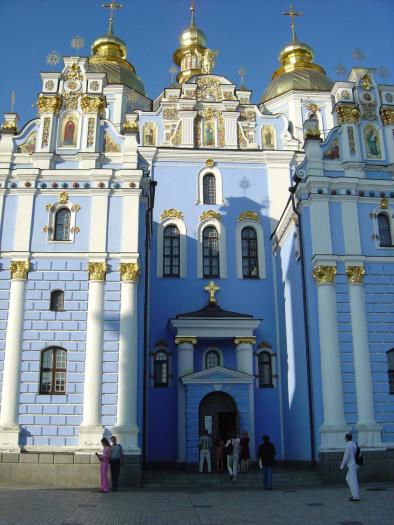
(248, 32)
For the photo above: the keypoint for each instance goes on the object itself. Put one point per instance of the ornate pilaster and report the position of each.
(91, 428)
(126, 427)
(369, 433)
(244, 353)
(185, 353)
(48, 108)
(9, 428)
(333, 428)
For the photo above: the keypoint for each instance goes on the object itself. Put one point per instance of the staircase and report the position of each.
(284, 478)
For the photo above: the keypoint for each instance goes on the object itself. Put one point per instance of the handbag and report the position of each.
(260, 464)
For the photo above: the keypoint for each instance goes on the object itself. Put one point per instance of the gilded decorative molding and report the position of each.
(19, 269)
(324, 274)
(210, 214)
(71, 100)
(244, 341)
(92, 104)
(75, 207)
(50, 104)
(97, 271)
(129, 271)
(73, 72)
(45, 132)
(172, 212)
(130, 127)
(212, 288)
(387, 115)
(91, 129)
(350, 114)
(170, 114)
(209, 163)
(186, 339)
(9, 126)
(312, 133)
(63, 197)
(75, 229)
(355, 274)
(384, 203)
(249, 215)
(264, 344)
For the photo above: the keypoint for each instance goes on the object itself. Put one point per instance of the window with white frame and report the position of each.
(250, 267)
(209, 189)
(212, 359)
(53, 371)
(250, 253)
(62, 225)
(171, 248)
(211, 253)
(160, 368)
(265, 376)
(384, 230)
(209, 186)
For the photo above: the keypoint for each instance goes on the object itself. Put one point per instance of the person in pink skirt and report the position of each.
(104, 464)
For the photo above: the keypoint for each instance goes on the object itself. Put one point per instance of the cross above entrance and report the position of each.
(211, 288)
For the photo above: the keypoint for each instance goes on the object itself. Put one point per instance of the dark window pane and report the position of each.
(210, 252)
(249, 253)
(62, 225)
(212, 359)
(265, 369)
(171, 252)
(160, 368)
(384, 230)
(53, 371)
(57, 300)
(209, 189)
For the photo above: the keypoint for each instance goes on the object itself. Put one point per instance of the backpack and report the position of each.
(358, 457)
(228, 449)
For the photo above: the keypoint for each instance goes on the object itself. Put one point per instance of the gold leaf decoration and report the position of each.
(210, 214)
(249, 215)
(172, 212)
(129, 271)
(324, 274)
(97, 271)
(19, 269)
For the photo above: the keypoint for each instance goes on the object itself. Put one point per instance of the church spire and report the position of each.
(292, 14)
(112, 6)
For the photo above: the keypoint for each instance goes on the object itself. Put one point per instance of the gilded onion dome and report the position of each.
(297, 71)
(109, 56)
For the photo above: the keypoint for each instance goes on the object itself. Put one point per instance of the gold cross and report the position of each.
(292, 14)
(112, 6)
(12, 101)
(211, 288)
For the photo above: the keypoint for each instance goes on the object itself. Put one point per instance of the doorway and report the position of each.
(219, 415)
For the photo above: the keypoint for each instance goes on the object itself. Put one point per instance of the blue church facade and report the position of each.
(197, 261)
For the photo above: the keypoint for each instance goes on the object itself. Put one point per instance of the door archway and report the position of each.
(218, 411)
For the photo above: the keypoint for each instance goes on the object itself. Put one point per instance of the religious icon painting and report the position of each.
(268, 137)
(333, 151)
(209, 133)
(109, 145)
(29, 145)
(372, 143)
(149, 134)
(69, 131)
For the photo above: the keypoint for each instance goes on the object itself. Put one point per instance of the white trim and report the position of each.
(388, 213)
(52, 212)
(218, 185)
(211, 349)
(260, 247)
(222, 247)
(208, 376)
(182, 245)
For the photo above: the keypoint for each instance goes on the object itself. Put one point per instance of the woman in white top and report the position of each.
(232, 451)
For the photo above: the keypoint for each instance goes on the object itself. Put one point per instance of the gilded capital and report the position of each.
(244, 341)
(129, 271)
(186, 339)
(249, 215)
(324, 274)
(172, 212)
(355, 274)
(130, 126)
(349, 114)
(63, 197)
(97, 271)
(19, 269)
(92, 104)
(210, 214)
(9, 126)
(387, 115)
(49, 104)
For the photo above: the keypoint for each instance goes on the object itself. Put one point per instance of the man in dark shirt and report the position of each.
(115, 461)
(266, 454)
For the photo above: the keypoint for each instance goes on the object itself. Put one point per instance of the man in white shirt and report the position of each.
(117, 458)
(205, 446)
(232, 457)
(349, 461)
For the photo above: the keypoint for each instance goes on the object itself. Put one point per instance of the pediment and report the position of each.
(217, 374)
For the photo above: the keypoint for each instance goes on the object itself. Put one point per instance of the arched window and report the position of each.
(209, 189)
(160, 373)
(62, 225)
(384, 230)
(57, 301)
(265, 369)
(53, 371)
(212, 358)
(210, 243)
(390, 367)
(250, 266)
(171, 251)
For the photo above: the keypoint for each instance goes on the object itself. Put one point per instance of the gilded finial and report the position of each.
(112, 6)
(192, 10)
(12, 101)
(292, 14)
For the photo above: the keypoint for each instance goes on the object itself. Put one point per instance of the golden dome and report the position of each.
(192, 36)
(109, 56)
(297, 72)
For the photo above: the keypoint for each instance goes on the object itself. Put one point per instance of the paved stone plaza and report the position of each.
(316, 505)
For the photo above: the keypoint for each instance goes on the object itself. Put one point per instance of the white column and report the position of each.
(187, 118)
(91, 429)
(9, 428)
(369, 433)
(334, 427)
(126, 428)
(244, 353)
(185, 366)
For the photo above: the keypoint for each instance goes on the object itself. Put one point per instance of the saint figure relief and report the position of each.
(268, 137)
(209, 138)
(69, 137)
(372, 142)
(149, 135)
(208, 61)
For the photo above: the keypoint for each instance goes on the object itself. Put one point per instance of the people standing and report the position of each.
(266, 455)
(117, 458)
(244, 451)
(205, 446)
(349, 461)
(232, 452)
(104, 459)
(219, 453)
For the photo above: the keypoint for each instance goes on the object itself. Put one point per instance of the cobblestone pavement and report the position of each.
(306, 506)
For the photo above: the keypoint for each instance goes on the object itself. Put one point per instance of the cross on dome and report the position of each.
(292, 14)
(112, 6)
(211, 288)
